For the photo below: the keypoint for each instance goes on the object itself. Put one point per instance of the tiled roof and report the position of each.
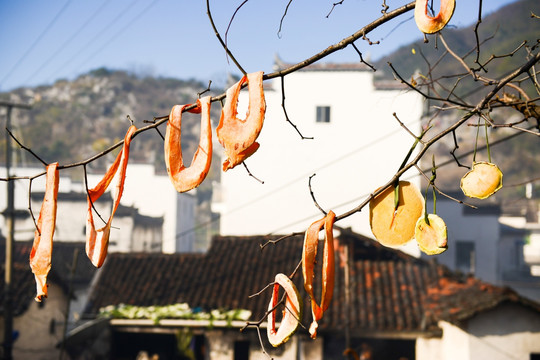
(24, 287)
(390, 292)
(455, 300)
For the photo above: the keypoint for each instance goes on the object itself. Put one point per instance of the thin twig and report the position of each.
(285, 111)
(313, 196)
(275, 241)
(26, 148)
(205, 90)
(30, 207)
(250, 174)
(157, 129)
(333, 6)
(282, 18)
(476, 27)
(362, 58)
(442, 192)
(405, 127)
(453, 151)
(88, 194)
(216, 32)
(230, 22)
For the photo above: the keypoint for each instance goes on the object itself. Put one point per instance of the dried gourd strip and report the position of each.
(187, 178)
(238, 136)
(97, 241)
(309, 255)
(328, 263)
(291, 315)
(41, 254)
(235, 159)
(432, 24)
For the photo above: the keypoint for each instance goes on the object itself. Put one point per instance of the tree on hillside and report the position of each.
(461, 90)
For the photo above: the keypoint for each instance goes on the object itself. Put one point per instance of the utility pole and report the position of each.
(9, 215)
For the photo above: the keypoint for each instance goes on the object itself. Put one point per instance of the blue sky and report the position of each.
(42, 41)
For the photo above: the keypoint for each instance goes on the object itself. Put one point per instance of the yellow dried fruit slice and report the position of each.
(433, 238)
(432, 24)
(291, 314)
(394, 227)
(482, 181)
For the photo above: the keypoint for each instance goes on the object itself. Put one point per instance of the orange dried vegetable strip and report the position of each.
(187, 178)
(97, 241)
(309, 255)
(238, 136)
(41, 254)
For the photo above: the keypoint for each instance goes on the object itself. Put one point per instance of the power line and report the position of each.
(23, 57)
(86, 45)
(64, 45)
(118, 33)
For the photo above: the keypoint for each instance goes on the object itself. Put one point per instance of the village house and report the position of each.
(152, 216)
(488, 245)
(39, 327)
(385, 302)
(352, 142)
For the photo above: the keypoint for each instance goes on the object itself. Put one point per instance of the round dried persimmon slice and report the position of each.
(482, 181)
(432, 24)
(292, 313)
(393, 226)
(433, 238)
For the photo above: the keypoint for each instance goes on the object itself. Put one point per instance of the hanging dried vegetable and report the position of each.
(432, 24)
(187, 178)
(41, 253)
(236, 135)
(97, 241)
(309, 255)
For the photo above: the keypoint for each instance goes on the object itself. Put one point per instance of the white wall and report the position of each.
(35, 340)
(509, 332)
(152, 194)
(483, 229)
(454, 344)
(359, 150)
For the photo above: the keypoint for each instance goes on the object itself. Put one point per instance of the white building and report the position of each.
(152, 215)
(357, 146)
(490, 246)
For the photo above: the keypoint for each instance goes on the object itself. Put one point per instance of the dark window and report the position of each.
(323, 114)
(199, 347)
(534, 356)
(465, 256)
(241, 350)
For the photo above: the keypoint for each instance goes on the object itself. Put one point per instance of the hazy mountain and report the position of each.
(73, 120)
(499, 33)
